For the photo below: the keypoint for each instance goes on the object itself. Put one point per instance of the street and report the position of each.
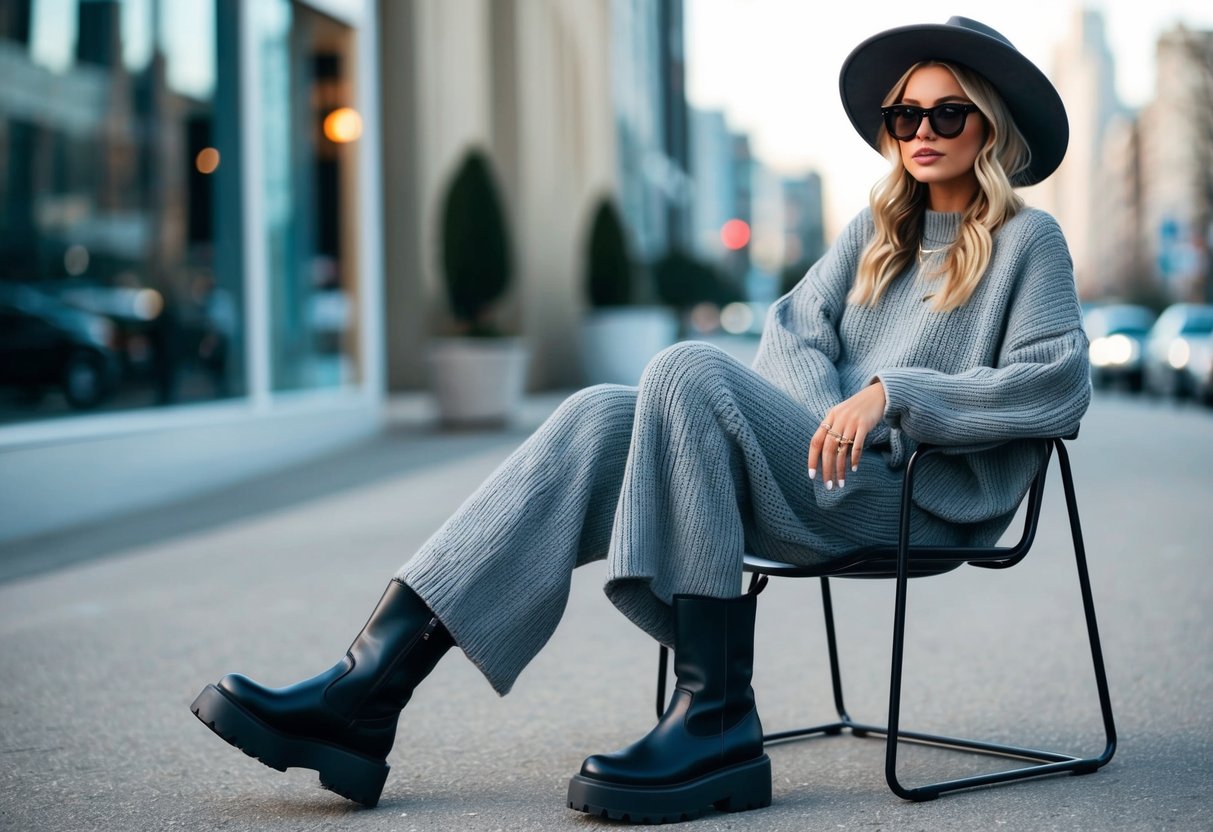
(103, 653)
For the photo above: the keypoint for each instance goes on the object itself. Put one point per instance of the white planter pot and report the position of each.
(616, 344)
(477, 381)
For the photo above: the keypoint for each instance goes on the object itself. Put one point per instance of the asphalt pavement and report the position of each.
(107, 633)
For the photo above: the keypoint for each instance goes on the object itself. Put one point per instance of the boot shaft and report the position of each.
(397, 648)
(714, 659)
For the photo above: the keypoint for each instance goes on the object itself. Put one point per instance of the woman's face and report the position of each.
(945, 166)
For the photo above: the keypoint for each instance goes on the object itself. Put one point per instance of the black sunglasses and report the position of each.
(947, 120)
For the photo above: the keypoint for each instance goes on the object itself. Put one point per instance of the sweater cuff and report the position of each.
(897, 392)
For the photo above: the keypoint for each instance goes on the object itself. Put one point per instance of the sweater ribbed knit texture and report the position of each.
(672, 481)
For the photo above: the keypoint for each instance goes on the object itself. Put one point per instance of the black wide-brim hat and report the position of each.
(874, 66)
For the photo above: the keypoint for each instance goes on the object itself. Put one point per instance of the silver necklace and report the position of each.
(923, 254)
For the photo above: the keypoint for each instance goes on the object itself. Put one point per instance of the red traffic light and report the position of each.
(735, 234)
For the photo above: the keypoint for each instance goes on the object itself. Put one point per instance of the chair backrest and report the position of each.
(881, 561)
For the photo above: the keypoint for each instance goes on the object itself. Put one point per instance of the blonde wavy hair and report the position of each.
(899, 202)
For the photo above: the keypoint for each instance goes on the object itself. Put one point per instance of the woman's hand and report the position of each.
(844, 429)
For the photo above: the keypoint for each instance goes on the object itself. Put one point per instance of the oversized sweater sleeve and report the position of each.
(800, 344)
(1039, 384)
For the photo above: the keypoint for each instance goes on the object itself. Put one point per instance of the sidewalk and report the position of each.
(411, 441)
(102, 657)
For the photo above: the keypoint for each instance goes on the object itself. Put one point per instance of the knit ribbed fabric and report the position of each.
(672, 481)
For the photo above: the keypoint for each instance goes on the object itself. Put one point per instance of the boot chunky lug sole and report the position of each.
(349, 774)
(734, 789)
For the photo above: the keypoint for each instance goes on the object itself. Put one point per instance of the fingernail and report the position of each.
(812, 473)
(842, 483)
(854, 468)
(829, 485)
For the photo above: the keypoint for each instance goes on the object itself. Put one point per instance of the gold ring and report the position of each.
(827, 426)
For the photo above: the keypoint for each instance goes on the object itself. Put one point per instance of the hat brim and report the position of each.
(874, 66)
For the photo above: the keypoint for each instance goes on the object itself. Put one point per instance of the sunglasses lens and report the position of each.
(903, 122)
(948, 121)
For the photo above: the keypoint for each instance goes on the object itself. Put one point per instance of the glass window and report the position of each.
(310, 145)
(120, 278)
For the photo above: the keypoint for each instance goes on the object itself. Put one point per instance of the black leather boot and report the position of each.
(707, 748)
(341, 723)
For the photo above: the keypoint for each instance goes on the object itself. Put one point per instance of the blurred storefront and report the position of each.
(190, 247)
(221, 221)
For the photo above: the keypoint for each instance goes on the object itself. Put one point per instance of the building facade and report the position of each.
(652, 124)
(1176, 146)
(529, 83)
(804, 229)
(190, 246)
(229, 212)
(1119, 257)
(714, 187)
(1083, 72)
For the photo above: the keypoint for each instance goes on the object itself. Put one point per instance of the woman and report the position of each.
(945, 313)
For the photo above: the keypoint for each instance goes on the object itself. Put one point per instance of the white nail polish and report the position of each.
(854, 468)
(842, 483)
(812, 473)
(829, 485)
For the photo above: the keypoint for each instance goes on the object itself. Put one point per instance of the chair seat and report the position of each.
(861, 564)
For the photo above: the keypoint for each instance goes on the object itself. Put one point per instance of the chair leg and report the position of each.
(1048, 762)
(1088, 607)
(827, 607)
(844, 721)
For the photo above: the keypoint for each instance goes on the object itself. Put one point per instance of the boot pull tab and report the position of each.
(758, 582)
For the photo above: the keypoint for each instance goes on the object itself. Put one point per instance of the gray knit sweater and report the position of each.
(1010, 363)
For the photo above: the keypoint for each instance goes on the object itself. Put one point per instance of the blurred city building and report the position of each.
(784, 217)
(1134, 195)
(804, 225)
(743, 161)
(1118, 258)
(651, 123)
(714, 178)
(1083, 72)
(1176, 159)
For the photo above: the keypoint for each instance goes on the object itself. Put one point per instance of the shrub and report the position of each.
(475, 245)
(610, 274)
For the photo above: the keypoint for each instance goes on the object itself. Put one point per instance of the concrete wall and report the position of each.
(529, 82)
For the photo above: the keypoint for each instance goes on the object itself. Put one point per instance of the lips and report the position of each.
(927, 153)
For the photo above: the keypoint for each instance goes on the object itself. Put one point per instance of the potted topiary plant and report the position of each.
(478, 375)
(618, 337)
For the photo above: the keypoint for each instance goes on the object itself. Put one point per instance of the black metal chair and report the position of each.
(903, 562)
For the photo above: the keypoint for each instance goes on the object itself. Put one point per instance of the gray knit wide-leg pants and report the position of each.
(670, 482)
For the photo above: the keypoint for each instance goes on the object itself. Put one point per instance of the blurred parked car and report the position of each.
(1169, 347)
(1117, 333)
(46, 343)
(1199, 370)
